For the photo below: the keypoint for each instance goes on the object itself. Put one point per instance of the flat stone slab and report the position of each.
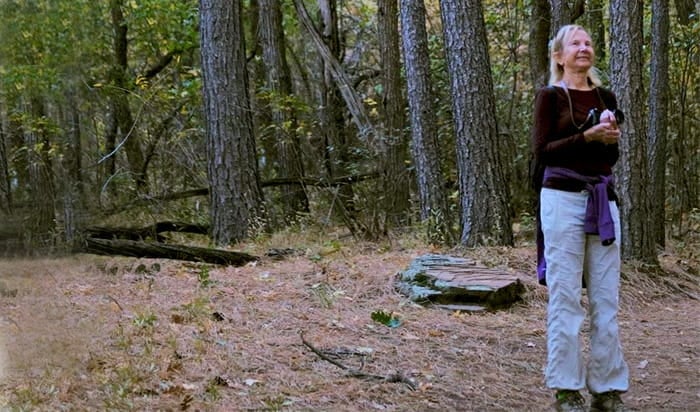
(456, 283)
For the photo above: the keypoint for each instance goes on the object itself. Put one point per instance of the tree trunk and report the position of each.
(327, 44)
(41, 177)
(71, 182)
(538, 41)
(561, 15)
(685, 10)
(288, 163)
(127, 135)
(5, 183)
(565, 12)
(335, 86)
(595, 24)
(626, 62)
(658, 117)
(396, 178)
(485, 207)
(235, 196)
(434, 208)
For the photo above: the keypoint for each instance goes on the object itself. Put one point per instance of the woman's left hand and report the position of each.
(604, 132)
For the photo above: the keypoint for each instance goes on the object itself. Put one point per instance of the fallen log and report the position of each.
(149, 232)
(134, 248)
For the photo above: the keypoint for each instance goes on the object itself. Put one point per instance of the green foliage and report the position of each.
(61, 53)
(145, 320)
(204, 278)
(386, 319)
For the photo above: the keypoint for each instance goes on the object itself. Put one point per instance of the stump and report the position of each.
(458, 284)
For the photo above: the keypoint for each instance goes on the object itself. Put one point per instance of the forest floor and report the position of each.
(93, 333)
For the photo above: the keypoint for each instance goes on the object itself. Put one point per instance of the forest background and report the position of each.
(256, 116)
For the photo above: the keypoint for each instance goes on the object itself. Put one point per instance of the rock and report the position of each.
(456, 283)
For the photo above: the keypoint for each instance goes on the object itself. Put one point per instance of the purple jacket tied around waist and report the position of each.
(598, 220)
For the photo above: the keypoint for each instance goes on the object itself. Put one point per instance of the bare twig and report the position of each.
(116, 302)
(394, 378)
(13, 322)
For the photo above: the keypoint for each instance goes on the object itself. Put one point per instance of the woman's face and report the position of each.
(577, 53)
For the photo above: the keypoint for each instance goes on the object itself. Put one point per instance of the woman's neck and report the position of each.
(576, 81)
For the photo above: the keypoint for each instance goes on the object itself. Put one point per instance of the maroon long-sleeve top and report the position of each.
(557, 140)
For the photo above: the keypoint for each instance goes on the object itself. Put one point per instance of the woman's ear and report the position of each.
(557, 58)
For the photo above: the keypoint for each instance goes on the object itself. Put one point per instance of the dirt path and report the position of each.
(93, 333)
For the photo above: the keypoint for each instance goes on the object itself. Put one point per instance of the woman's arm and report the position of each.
(545, 134)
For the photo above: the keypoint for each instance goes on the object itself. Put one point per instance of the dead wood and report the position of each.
(204, 191)
(356, 373)
(131, 248)
(342, 80)
(149, 232)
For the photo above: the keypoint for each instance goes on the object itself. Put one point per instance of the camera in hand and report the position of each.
(594, 117)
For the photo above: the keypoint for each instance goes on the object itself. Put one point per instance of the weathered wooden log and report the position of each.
(458, 284)
(133, 248)
(149, 232)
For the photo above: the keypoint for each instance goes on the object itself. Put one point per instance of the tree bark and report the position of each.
(153, 231)
(626, 62)
(123, 120)
(484, 197)
(288, 163)
(133, 248)
(396, 178)
(595, 25)
(328, 51)
(658, 117)
(334, 88)
(5, 184)
(561, 15)
(685, 10)
(434, 208)
(538, 41)
(565, 12)
(41, 176)
(236, 197)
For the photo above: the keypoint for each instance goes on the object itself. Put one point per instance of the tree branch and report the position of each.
(352, 100)
(355, 373)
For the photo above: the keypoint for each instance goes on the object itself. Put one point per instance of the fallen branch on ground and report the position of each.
(355, 373)
(156, 250)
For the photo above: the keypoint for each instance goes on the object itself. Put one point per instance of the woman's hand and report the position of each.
(605, 132)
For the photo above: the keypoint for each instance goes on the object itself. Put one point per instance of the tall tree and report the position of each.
(684, 143)
(333, 89)
(235, 194)
(434, 207)
(485, 207)
(626, 62)
(123, 127)
(540, 18)
(288, 162)
(685, 9)
(395, 173)
(565, 12)
(5, 184)
(41, 177)
(658, 116)
(595, 24)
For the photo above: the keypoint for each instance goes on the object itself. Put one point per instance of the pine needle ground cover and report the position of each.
(322, 330)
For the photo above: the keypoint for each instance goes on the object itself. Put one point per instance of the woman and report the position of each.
(575, 137)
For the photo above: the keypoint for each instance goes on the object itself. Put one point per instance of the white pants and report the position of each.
(570, 254)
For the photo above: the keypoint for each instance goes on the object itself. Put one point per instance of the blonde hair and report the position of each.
(556, 70)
